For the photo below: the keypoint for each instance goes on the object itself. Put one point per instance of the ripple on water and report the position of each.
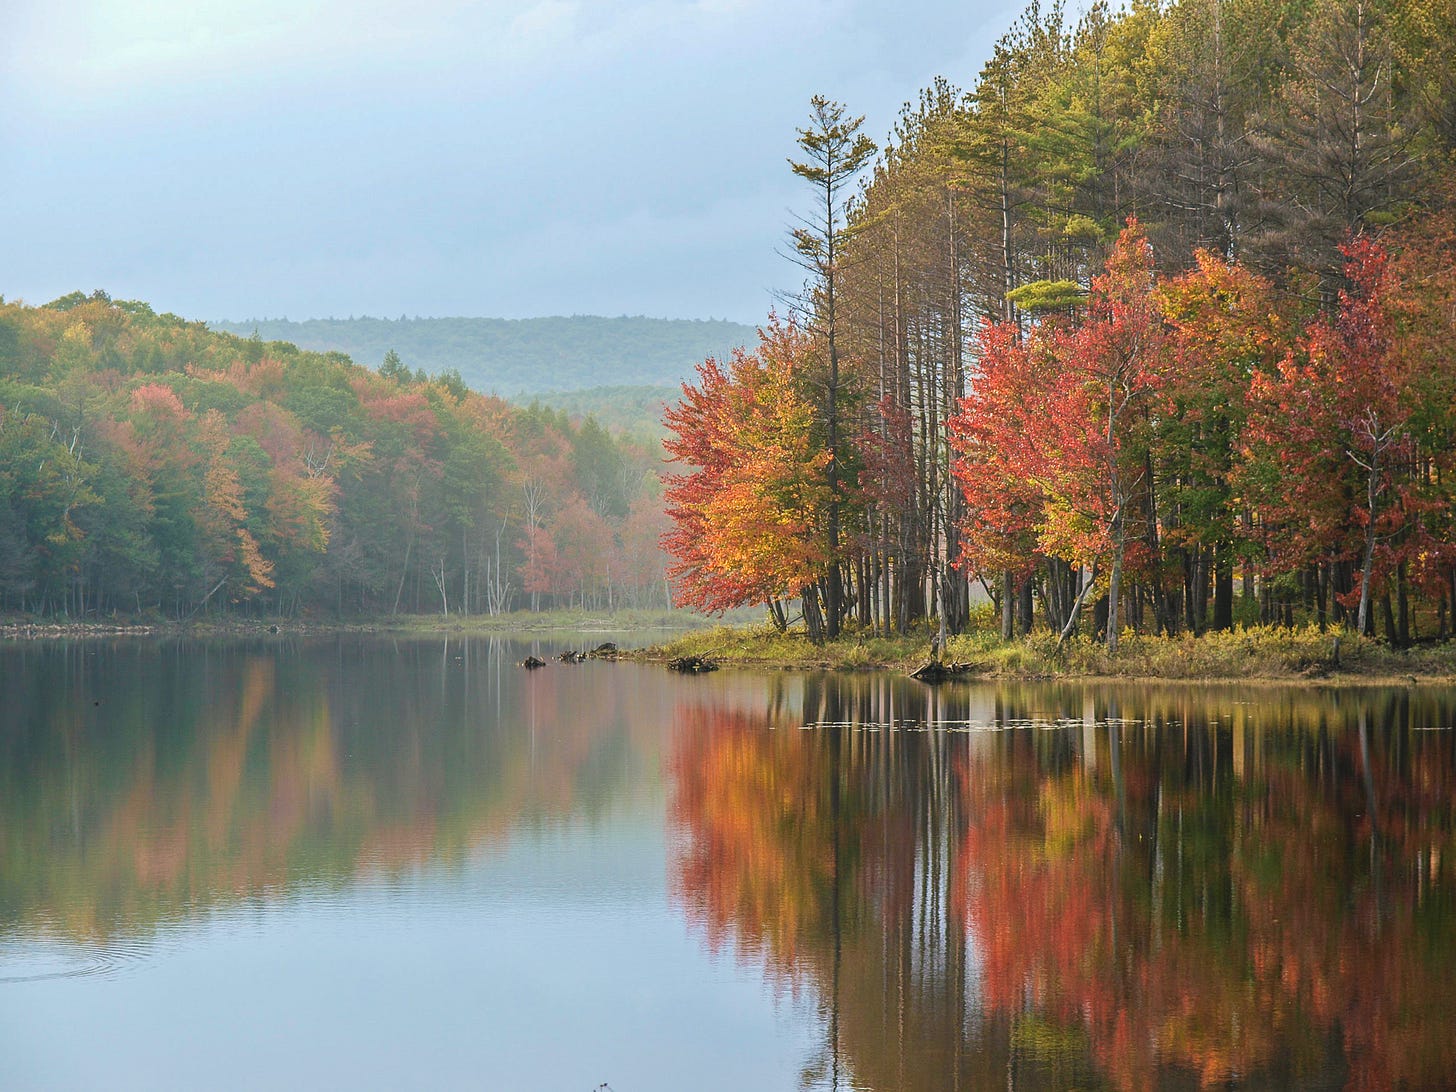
(45, 958)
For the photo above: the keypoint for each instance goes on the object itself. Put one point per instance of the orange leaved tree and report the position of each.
(749, 508)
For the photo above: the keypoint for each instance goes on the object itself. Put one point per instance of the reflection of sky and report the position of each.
(556, 964)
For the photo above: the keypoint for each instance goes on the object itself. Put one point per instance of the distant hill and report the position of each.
(512, 357)
(636, 411)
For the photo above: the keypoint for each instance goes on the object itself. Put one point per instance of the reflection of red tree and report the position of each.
(1044, 909)
(1076, 919)
(1341, 927)
(265, 786)
(755, 866)
(750, 864)
(754, 863)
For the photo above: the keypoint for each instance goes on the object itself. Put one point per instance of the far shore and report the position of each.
(565, 621)
(1259, 654)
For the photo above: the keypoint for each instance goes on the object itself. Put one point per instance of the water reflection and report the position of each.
(142, 783)
(1122, 887)
(1024, 886)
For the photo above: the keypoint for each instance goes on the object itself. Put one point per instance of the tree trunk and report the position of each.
(403, 573)
(1223, 587)
(1367, 564)
(813, 617)
(1076, 611)
(1402, 604)
(1114, 583)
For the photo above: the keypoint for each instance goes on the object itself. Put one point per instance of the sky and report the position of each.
(236, 159)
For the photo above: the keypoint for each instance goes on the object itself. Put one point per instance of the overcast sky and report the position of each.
(233, 159)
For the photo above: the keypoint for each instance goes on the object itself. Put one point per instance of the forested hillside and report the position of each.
(1157, 318)
(519, 356)
(636, 411)
(150, 465)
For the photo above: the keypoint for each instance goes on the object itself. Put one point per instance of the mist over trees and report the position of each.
(514, 357)
(1154, 320)
(150, 465)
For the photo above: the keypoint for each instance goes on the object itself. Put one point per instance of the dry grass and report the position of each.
(1245, 653)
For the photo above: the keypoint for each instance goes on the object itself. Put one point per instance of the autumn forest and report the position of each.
(1151, 328)
(149, 465)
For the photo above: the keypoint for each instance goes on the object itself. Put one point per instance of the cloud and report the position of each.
(89, 44)
(550, 19)
(85, 48)
(327, 156)
(95, 49)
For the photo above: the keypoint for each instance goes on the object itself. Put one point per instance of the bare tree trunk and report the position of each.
(439, 578)
(1075, 613)
(403, 573)
(1114, 584)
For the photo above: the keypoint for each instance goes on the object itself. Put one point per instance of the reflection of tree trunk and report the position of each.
(1372, 806)
(1369, 779)
(835, 739)
(1156, 848)
(1114, 754)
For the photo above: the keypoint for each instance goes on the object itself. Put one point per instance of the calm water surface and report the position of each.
(369, 863)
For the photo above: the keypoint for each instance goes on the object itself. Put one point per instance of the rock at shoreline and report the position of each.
(691, 665)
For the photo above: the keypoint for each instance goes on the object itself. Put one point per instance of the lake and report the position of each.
(361, 862)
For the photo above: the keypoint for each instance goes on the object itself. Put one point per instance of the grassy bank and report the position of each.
(1254, 653)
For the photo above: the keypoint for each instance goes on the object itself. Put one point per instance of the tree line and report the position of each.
(150, 465)
(1154, 320)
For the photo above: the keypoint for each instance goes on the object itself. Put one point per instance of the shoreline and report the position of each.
(1341, 679)
(1261, 656)
(27, 629)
